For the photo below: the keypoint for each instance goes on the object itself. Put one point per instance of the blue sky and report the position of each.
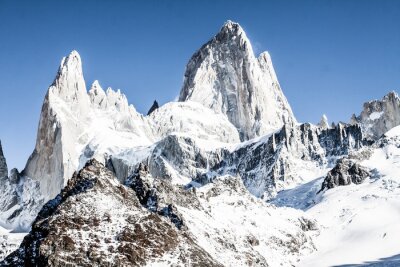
(330, 56)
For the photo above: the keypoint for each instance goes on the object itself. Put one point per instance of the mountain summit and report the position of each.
(224, 75)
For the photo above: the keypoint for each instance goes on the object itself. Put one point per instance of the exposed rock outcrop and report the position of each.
(97, 221)
(344, 173)
(153, 107)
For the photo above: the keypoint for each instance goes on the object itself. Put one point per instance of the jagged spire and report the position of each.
(3, 164)
(153, 107)
(69, 83)
(97, 95)
(324, 122)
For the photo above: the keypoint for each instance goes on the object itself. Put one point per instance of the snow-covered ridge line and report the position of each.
(379, 116)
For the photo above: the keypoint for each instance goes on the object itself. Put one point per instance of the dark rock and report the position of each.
(153, 107)
(172, 213)
(3, 165)
(15, 176)
(344, 173)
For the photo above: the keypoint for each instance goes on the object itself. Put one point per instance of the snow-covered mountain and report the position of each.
(223, 177)
(225, 76)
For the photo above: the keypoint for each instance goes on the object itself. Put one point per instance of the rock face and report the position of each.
(344, 173)
(153, 107)
(379, 116)
(225, 76)
(3, 165)
(277, 161)
(265, 165)
(54, 159)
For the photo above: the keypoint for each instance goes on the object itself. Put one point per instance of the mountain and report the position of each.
(225, 176)
(224, 75)
(96, 219)
(20, 201)
(54, 159)
(379, 116)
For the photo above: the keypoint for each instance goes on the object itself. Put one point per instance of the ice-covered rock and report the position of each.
(324, 124)
(225, 76)
(97, 95)
(379, 116)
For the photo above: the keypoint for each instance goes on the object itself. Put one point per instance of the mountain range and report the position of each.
(224, 176)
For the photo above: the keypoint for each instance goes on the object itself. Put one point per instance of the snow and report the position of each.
(358, 223)
(232, 217)
(375, 115)
(353, 219)
(9, 241)
(393, 132)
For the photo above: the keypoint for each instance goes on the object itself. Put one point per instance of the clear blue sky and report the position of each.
(330, 56)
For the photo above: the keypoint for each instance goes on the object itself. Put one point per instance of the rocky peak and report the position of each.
(117, 100)
(324, 122)
(3, 164)
(97, 95)
(232, 33)
(379, 116)
(153, 107)
(63, 116)
(69, 84)
(224, 75)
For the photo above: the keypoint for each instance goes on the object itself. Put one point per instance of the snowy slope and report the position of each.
(359, 223)
(9, 241)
